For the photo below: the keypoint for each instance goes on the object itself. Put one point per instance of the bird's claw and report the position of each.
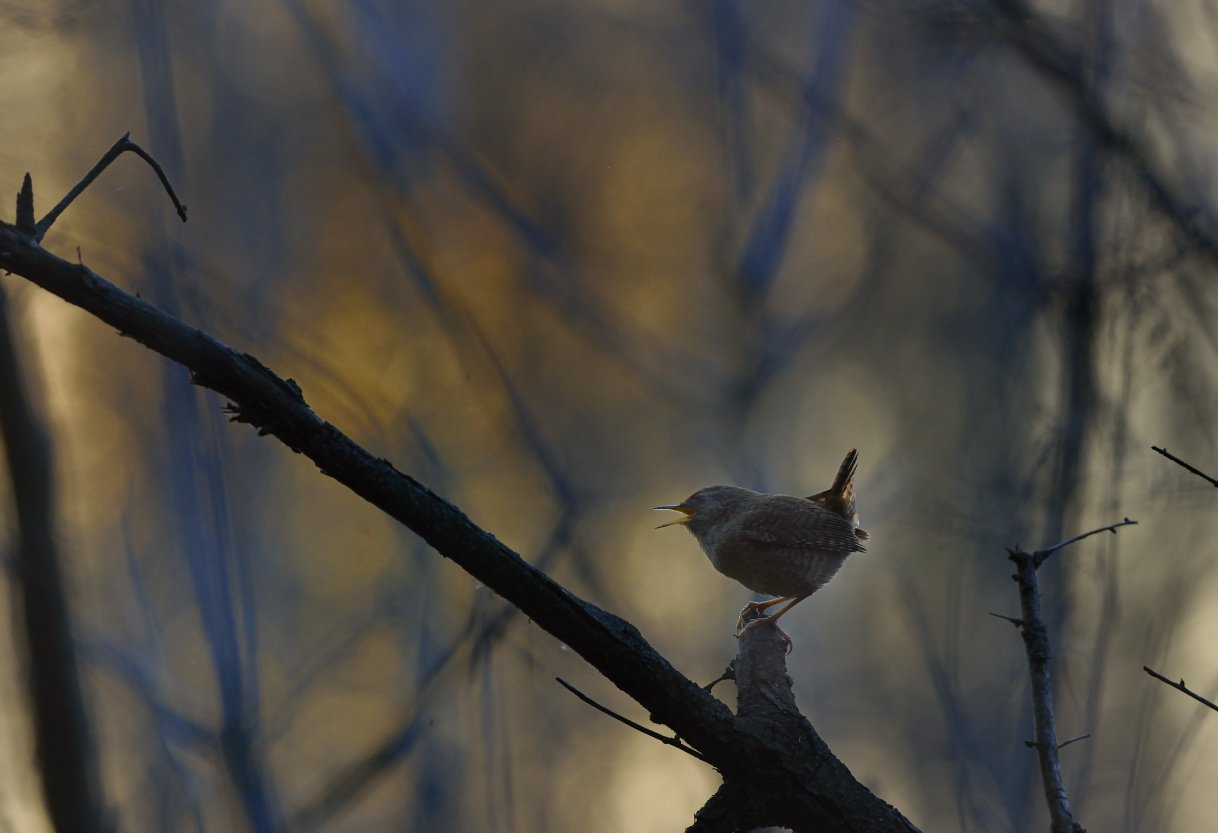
(747, 613)
(742, 628)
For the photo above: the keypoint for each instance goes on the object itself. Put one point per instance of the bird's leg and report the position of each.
(772, 619)
(757, 607)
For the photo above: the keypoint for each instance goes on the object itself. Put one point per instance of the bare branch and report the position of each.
(801, 782)
(1180, 686)
(121, 146)
(1036, 645)
(1212, 481)
(1040, 556)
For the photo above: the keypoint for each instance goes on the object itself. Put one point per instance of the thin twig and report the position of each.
(1031, 744)
(676, 742)
(1212, 481)
(1016, 622)
(729, 673)
(1074, 739)
(123, 144)
(1180, 686)
(1039, 557)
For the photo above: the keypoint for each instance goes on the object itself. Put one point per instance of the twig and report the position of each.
(1212, 481)
(1031, 744)
(729, 673)
(1040, 556)
(1180, 686)
(123, 144)
(1074, 739)
(676, 742)
(1016, 622)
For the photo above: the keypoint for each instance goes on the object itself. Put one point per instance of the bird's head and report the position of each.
(706, 507)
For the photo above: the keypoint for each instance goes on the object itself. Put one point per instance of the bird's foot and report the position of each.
(767, 620)
(756, 609)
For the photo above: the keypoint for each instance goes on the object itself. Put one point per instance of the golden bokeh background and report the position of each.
(565, 262)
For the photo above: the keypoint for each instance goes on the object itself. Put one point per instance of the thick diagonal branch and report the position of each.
(775, 766)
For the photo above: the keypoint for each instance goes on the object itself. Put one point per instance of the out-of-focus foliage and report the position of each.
(567, 261)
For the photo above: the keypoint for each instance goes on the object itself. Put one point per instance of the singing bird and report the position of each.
(779, 545)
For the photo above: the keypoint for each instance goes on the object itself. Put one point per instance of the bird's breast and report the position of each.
(776, 571)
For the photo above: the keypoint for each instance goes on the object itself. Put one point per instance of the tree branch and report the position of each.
(1182, 464)
(1036, 645)
(1035, 634)
(1180, 686)
(117, 149)
(805, 785)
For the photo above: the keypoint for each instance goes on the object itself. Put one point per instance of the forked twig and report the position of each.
(119, 147)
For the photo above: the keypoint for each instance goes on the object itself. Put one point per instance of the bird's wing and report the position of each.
(820, 530)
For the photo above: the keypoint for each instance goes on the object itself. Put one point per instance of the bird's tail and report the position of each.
(840, 496)
(843, 484)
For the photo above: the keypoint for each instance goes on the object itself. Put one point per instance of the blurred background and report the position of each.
(565, 262)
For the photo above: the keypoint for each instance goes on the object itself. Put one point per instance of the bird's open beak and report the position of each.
(686, 516)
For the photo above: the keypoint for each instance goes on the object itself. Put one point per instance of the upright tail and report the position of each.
(840, 496)
(843, 484)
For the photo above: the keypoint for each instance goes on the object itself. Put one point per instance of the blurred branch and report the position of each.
(1036, 644)
(1034, 39)
(1181, 463)
(353, 779)
(66, 755)
(673, 742)
(801, 784)
(1180, 686)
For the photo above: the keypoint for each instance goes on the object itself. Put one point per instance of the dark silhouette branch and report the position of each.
(1036, 645)
(1212, 481)
(792, 776)
(673, 742)
(118, 149)
(1180, 686)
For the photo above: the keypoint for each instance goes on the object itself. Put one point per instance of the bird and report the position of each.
(778, 545)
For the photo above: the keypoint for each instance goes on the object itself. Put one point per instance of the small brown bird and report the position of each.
(779, 545)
